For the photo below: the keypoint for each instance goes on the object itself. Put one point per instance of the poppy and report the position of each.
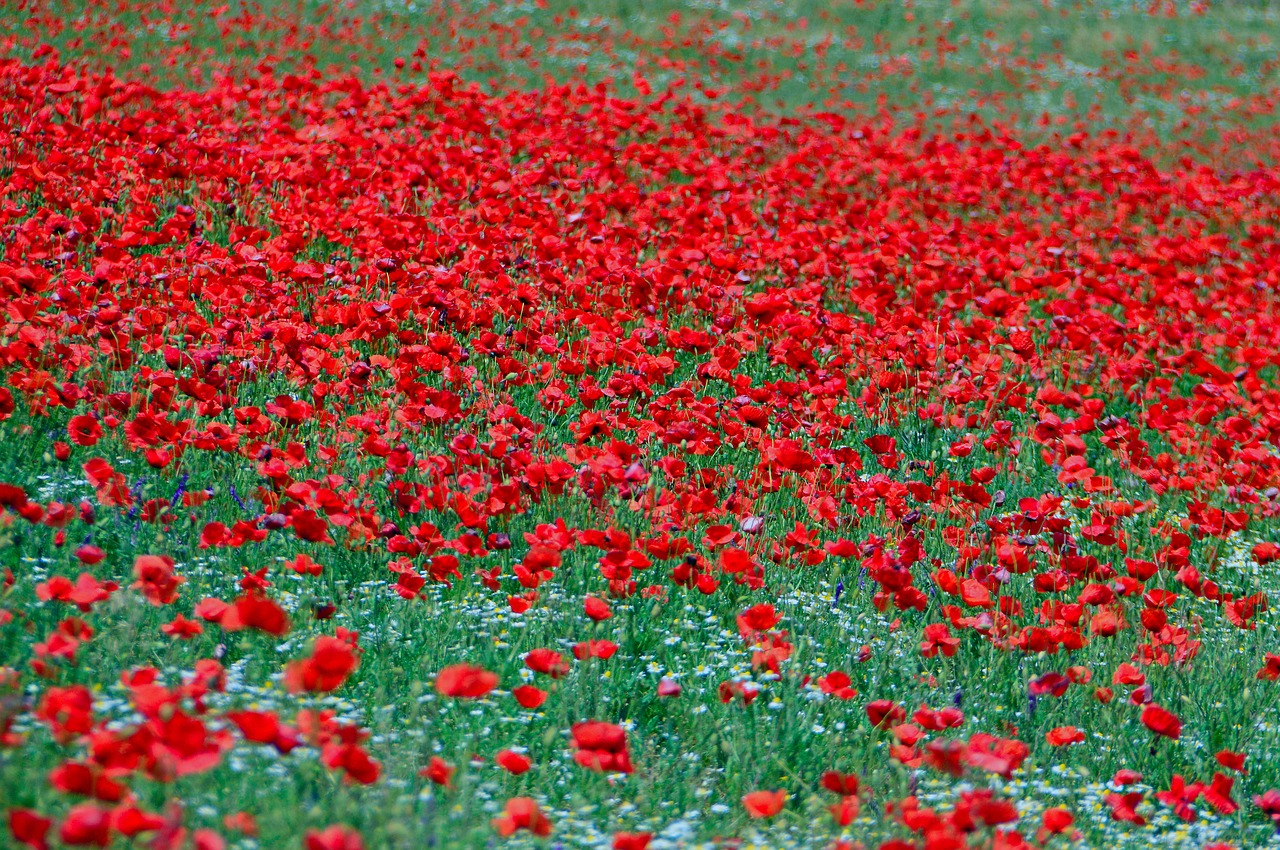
(439, 772)
(465, 681)
(1064, 735)
(528, 696)
(601, 747)
(546, 661)
(334, 837)
(155, 579)
(513, 762)
(1161, 721)
(29, 828)
(332, 660)
(764, 804)
(521, 813)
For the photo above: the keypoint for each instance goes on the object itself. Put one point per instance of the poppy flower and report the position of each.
(182, 628)
(601, 747)
(29, 828)
(264, 727)
(1125, 776)
(837, 684)
(845, 811)
(513, 762)
(1161, 721)
(528, 696)
(130, 821)
(546, 661)
(1064, 735)
(465, 681)
(996, 755)
(602, 649)
(597, 609)
(764, 804)
(1270, 670)
(1218, 794)
(336, 837)
(84, 430)
(631, 840)
(882, 713)
(155, 579)
(254, 611)
(1052, 684)
(332, 660)
(1269, 803)
(439, 772)
(1231, 760)
(746, 692)
(302, 564)
(975, 595)
(86, 825)
(241, 822)
(846, 785)
(90, 554)
(938, 639)
(757, 618)
(1180, 796)
(521, 813)
(1056, 821)
(1124, 806)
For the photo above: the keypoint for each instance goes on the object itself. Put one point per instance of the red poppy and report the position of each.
(334, 837)
(182, 628)
(602, 649)
(548, 662)
(846, 785)
(84, 430)
(845, 811)
(465, 681)
(1231, 760)
(155, 579)
(263, 727)
(601, 747)
(1123, 808)
(29, 828)
(837, 684)
(86, 825)
(1056, 821)
(882, 713)
(512, 762)
(764, 804)
(522, 813)
(528, 696)
(439, 771)
(757, 618)
(332, 660)
(597, 609)
(1064, 735)
(1161, 721)
(255, 611)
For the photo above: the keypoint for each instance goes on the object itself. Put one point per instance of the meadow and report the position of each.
(639, 425)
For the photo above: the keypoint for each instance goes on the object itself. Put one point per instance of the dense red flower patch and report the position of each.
(402, 453)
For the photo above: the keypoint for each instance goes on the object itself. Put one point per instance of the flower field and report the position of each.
(639, 425)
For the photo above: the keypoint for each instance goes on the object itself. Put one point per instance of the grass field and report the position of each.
(639, 425)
